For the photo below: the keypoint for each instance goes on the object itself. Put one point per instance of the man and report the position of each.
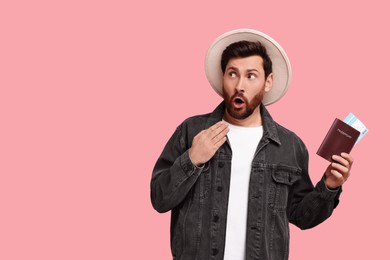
(233, 179)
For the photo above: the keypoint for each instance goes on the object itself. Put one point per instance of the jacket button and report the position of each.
(220, 164)
(214, 251)
(216, 218)
(219, 188)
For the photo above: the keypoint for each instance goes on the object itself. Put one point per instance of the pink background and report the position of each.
(90, 91)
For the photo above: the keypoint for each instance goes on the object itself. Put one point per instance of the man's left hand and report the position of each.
(338, 171)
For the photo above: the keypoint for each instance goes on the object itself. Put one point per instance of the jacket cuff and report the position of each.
(327, 193)
(188, 167)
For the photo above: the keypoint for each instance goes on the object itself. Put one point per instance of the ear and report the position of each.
(268, 82)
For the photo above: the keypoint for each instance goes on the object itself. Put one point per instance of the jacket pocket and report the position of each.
(283, 177)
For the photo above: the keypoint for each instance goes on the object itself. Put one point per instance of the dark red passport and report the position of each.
(341, 137)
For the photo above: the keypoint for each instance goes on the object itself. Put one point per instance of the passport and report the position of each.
(341, 137)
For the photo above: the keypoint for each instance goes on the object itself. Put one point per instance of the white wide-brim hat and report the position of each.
(281, 68)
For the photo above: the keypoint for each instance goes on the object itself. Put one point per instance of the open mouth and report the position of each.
(238, 101)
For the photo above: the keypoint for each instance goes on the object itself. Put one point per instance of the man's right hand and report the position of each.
(207, 142)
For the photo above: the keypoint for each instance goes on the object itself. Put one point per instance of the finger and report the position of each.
(223, 128)
(340, 168)
(340, 178)
(347, 157)
(341, 160)
(215, 126)
(220, 142)
(221, 135)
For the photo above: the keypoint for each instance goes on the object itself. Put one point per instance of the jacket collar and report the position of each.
(269, 125)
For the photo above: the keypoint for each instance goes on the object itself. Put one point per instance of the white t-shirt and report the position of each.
(243, 141)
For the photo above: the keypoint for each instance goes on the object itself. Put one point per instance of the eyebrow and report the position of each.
(248, 70)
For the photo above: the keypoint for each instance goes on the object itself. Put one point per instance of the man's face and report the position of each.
(244, 86)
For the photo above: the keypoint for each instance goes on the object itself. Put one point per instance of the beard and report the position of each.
(246, 107)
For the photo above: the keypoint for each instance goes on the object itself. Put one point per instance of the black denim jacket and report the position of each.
(280, 192)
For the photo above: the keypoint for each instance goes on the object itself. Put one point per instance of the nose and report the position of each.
(240, 85)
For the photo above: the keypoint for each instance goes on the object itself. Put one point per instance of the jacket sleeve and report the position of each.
(173, 175)
(309, 206)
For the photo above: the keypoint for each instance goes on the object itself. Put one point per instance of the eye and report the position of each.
(251, 76)
(232, 74)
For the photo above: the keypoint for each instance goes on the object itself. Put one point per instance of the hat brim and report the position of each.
(281, 67)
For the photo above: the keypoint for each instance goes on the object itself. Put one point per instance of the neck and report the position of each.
(251, 121)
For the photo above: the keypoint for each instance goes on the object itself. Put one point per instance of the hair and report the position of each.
(243, 49)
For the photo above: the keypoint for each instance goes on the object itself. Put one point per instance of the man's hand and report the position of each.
(338, 171)
(207, 142)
